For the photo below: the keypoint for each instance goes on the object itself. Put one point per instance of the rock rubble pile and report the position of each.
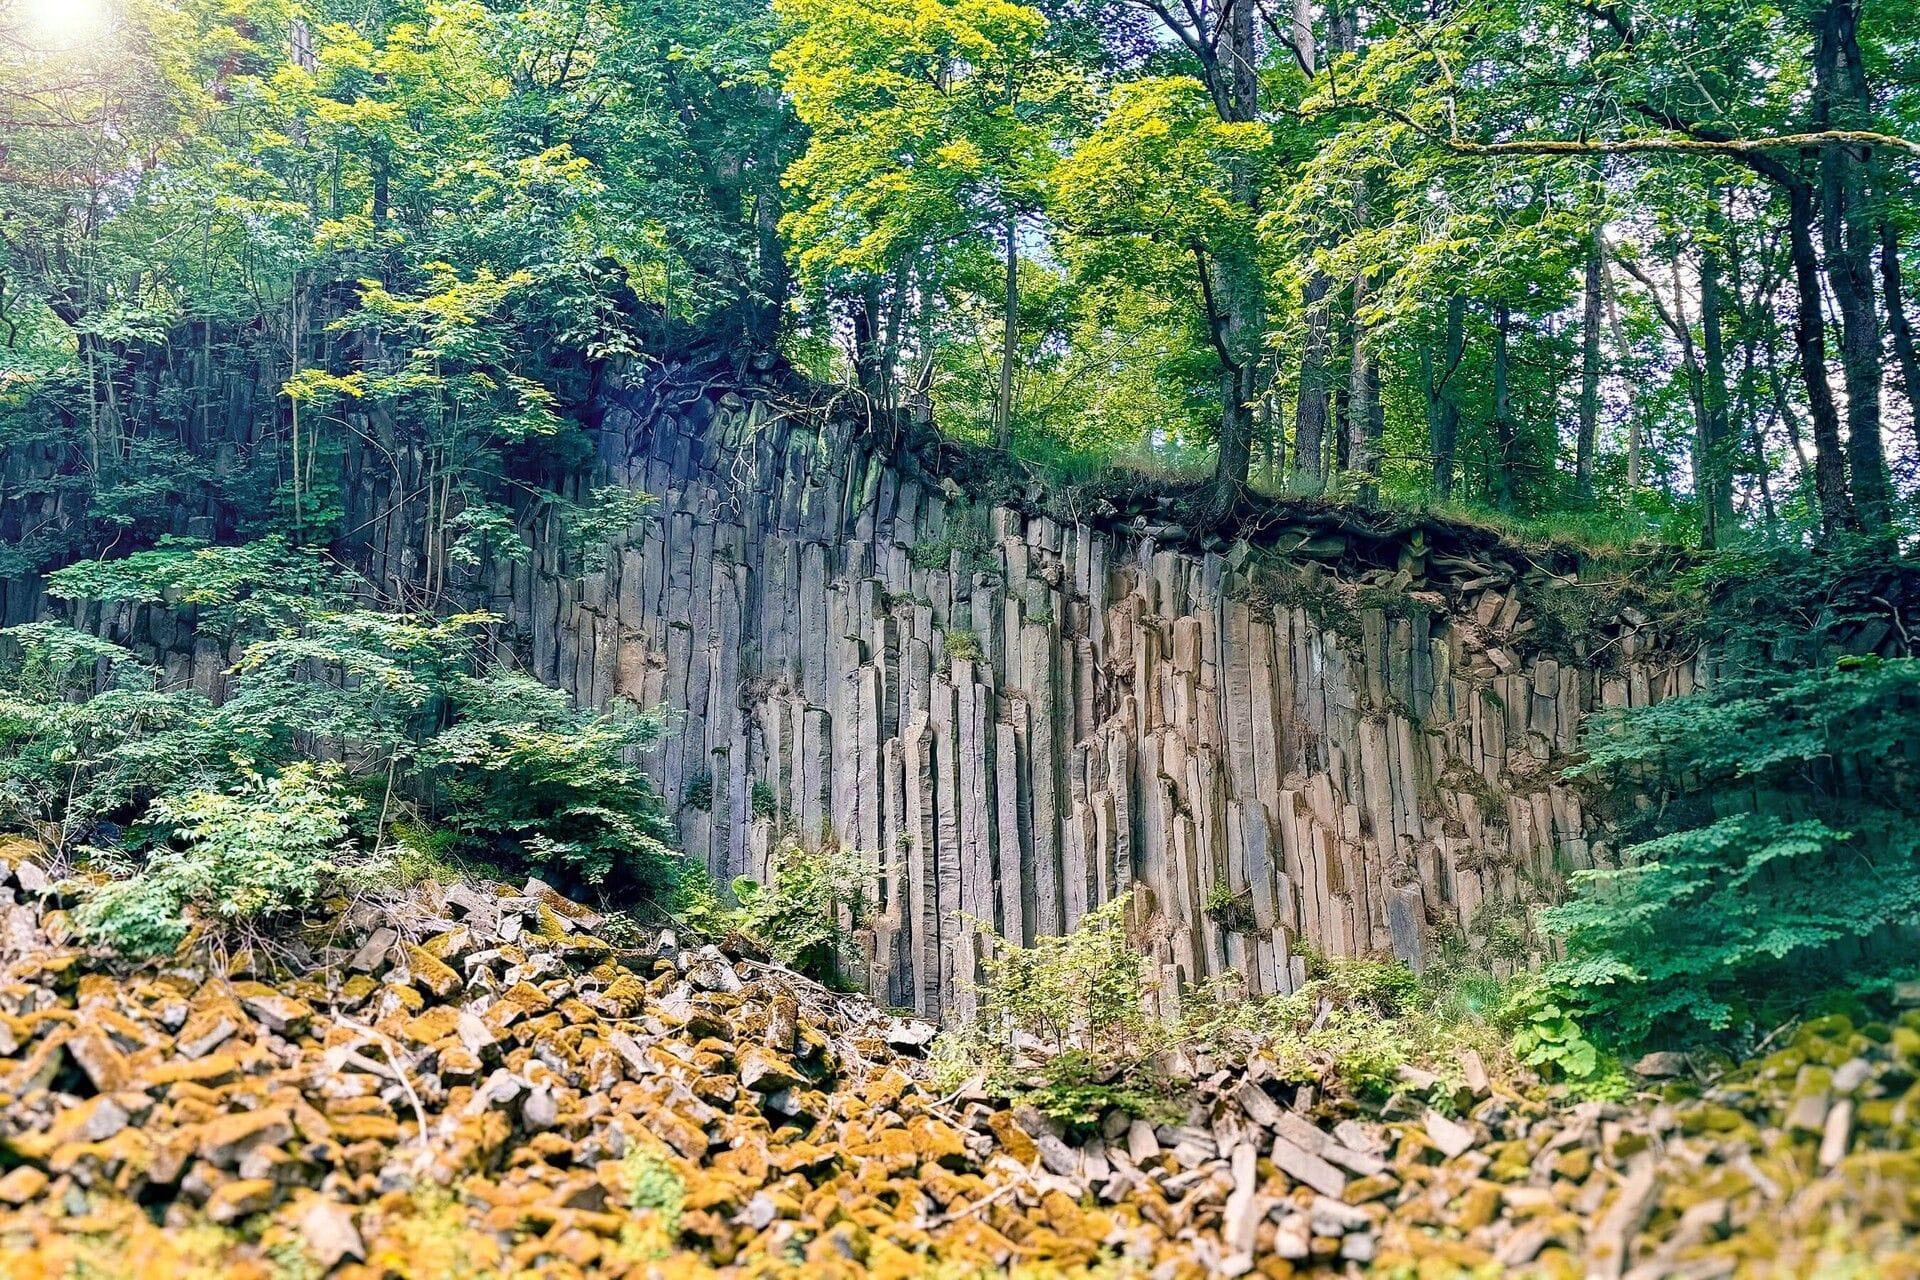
(481, 1084)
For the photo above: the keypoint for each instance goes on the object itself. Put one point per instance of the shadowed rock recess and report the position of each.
(1351, 722)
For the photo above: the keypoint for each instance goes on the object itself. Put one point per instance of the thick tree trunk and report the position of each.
(1241, 322)
(1589, 369)
(1310, 409)
(1847, 236)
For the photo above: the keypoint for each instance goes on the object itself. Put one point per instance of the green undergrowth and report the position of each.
(1769, 823)
(354, 752)
(1064, 1026)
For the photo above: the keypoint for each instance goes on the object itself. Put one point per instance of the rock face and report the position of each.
(1337, 734)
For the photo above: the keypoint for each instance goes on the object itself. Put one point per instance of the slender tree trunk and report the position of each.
(1847, 237)
(1443, 406)
(772, 279)
(1898, 324)
(1810, 342)
(1310, 408)
(1589, 368)
(1749, 412)
(1009, 340)
(1717, 450)
(1682, 329)
(1363, 396)
(1777, 389)
(1503, 434)
(1636, 431)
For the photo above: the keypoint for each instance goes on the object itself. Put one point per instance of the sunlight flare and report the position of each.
(63, 24)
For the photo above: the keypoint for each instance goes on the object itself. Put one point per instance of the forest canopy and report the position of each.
(1645, 267)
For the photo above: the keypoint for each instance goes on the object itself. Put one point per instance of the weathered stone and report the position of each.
(1142, 1146)
(436, 976)
(239, 1198)
(1451, 1138)
(1260, 1108)
(374, 952)
(224, 1140)
(94, 1120)
(22, 1184)
(278, 1012)
(1305, 1167)
(203, 1033)
(764, 1071)
(1662, 1065)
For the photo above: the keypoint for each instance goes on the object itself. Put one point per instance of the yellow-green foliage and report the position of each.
(652, 1182)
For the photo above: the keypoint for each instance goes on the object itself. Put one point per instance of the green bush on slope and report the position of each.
(1772, 820)
(222, 813)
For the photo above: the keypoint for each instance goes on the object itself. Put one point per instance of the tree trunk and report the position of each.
(864, 319)
(1810, 342)
(1847, 236)
(1310, 409)
(1237, 285)
(1363, 396)
(1503, 435)
(772, 279)
(1589, 369)
(1009, 340)
(1443, 419)
(1897, 322)
(1716, 452)
(1636, 431)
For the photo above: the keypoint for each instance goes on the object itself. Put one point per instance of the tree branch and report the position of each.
(1213, 311)
(1740, 148)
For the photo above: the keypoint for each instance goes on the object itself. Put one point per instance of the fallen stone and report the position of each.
(1451, 1138)
(1305, 1167)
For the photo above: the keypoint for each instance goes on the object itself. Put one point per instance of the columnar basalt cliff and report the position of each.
(1341, 732)
(1016, 718)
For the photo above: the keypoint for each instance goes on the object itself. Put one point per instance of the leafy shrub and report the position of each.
(251, 590)
(966, 537)
(462, 764)
(69, 763)
(590, 530)
(1085, 990)
(699, 792)
(1781, 854)
(1546, 1033)
(797, 914)
(272, 846)
(762, 799)
(524, 774)
(1232, 911)
(1078, 1089)
(1352, 1026)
